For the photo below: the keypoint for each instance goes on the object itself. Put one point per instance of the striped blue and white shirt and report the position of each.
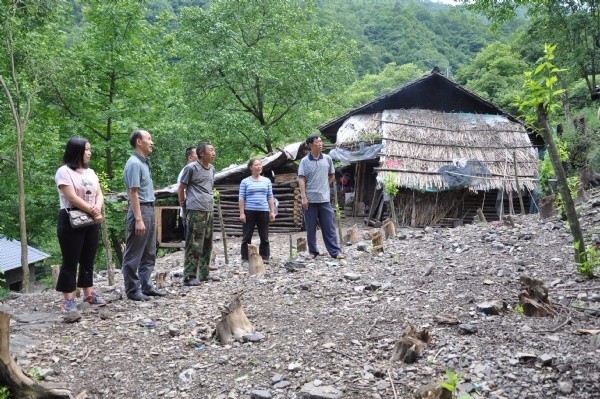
(256, 193)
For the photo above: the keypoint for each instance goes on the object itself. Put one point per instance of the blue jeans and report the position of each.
(322, 213)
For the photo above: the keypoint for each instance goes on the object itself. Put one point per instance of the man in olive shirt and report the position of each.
(196, 200)
(140, 242)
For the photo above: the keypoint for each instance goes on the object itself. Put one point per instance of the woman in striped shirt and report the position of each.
(257, 208)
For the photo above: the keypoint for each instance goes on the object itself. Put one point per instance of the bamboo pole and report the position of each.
(223, 235)
(337, 213)
(518, 185)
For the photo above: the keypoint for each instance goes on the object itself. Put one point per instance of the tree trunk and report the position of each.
(20, 125)
(22, 221)
(563, 186)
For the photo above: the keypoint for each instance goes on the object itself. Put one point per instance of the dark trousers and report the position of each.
(260, 219)
(140, 252)
(323, 213)
(78, 246)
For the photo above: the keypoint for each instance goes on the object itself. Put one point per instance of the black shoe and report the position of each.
(139, 297)
(155, 292)
(209, 278)
(192, 282)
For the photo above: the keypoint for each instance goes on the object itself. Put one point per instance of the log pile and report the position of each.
(288, 219)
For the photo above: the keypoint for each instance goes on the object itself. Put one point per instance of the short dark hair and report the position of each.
(202, 147)
(251, 162)
(74, 150)
(189, 151)
(312, 137)
(135, 135)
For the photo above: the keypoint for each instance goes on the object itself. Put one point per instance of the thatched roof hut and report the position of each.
(432, 136)
(436, 151)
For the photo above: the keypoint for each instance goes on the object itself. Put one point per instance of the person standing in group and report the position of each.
(196, 200)
(78, 188)
(190, 156)
(257, 208)
(140, 235)
(315, 174)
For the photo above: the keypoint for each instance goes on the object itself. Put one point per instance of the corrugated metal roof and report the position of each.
(10, 254)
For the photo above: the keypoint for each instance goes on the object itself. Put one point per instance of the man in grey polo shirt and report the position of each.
(140, 242)
(315, 174)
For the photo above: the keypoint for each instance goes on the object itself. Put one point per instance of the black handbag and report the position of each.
(79, 218)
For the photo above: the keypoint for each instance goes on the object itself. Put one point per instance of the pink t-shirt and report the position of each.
(85, 183)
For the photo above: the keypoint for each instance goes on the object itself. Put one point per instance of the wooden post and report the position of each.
(481, 216)
(337, 212)
(413, 216)
(223, 235)
(518, 185)
(110, 267)
(291, 247)
(55, 272)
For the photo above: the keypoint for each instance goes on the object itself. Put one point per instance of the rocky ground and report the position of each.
(328, 327)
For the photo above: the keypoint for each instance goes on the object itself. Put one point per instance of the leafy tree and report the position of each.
(28, 30)
(540, 106)
(371, 86)
(108, 78)
(495, 73)
(573, 24)
(258, 67)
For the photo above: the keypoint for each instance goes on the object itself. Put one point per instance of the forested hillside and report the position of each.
(248, 75)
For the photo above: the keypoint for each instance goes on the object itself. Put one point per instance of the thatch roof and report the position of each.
(434, 151)
(433, 92)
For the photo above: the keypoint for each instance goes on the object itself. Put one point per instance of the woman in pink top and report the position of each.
(78, 188)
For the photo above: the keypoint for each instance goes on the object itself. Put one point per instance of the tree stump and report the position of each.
(160, 279)
(389, 228)
(352, 236)
(509, 221)
(534, 298)
(256, 264)
(233, 324)
(588, 177)
(546, 206)
(582, 195)
(368, 235)
(433, 390)
(301, 244)
(11, 375)
(377, 240)
(410, 346)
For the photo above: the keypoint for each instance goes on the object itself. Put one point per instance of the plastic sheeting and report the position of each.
(363, 153)
(464, 174)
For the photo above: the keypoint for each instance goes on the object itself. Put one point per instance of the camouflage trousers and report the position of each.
(198, 244)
